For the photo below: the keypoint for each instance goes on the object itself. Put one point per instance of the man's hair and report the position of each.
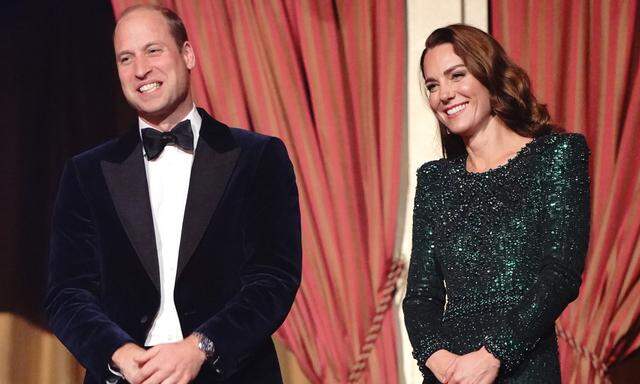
(176, 26)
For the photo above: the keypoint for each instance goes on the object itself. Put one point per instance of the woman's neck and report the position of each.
(492, 146)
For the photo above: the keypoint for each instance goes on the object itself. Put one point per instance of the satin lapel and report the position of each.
(215, 159)
(127, 182)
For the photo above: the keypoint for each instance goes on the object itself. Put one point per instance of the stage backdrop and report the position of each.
(583, 59)
(59, 95)
(328, 78)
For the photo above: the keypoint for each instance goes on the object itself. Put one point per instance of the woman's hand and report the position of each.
(440, 362)
(478, 367)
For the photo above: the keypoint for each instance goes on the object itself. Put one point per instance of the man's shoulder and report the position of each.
(113, 150)
(258, 148)
(98, 152)
(245, 138)
(248, 140)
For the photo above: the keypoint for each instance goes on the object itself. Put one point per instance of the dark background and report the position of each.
(59, 95)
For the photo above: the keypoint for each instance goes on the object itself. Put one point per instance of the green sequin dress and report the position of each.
(498, 255)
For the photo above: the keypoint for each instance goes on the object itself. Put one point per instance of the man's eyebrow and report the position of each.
(125, 52)
(446, 72)
(130, 52)
(152, 43)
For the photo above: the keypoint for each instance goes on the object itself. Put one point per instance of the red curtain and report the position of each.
(328, 78)
(583, 59)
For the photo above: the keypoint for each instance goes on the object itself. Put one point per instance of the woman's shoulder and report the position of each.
(564, 156)
(435, 169)
(565, 143)
(434, 176)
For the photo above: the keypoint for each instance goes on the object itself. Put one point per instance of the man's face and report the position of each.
(153, 70)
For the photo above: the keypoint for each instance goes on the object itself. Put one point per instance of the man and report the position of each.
(173, 258)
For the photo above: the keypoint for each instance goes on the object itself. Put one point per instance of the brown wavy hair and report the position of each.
(509, 86)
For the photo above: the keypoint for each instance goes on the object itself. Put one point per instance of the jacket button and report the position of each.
(144, 319)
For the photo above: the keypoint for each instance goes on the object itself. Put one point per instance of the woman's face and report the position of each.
(457, 98)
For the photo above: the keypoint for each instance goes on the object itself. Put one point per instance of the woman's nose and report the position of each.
(447, 92)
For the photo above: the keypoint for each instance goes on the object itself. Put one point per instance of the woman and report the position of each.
(500, 224)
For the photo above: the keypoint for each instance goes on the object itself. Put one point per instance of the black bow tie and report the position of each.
(154, 141)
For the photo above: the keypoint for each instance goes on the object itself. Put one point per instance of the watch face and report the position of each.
(205, 345)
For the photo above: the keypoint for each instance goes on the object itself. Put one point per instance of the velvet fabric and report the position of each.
(328, 77)
(239, 263)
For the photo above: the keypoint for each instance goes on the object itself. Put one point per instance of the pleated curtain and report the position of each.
(583, 59)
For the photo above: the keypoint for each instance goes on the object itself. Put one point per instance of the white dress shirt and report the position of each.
(168, 179)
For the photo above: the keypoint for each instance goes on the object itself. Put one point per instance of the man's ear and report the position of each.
(188, 55)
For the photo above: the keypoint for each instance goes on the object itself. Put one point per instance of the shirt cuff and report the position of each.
(113, 376)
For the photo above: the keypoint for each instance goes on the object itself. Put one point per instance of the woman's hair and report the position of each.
(511, 97)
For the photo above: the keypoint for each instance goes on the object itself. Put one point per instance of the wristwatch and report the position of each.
(206, 345)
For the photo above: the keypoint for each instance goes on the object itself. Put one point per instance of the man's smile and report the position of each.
(149, 87)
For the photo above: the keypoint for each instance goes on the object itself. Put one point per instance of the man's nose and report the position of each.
(142, 68)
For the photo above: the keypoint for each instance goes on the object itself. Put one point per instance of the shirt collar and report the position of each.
(193, 116)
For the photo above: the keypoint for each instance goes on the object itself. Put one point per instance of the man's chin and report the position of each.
(149, 110)
(154, 111)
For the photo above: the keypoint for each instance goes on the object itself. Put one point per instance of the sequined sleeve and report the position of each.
(565, 231)
(424, 303)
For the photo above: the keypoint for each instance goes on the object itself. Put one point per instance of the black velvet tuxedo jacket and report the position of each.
(239, 261)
